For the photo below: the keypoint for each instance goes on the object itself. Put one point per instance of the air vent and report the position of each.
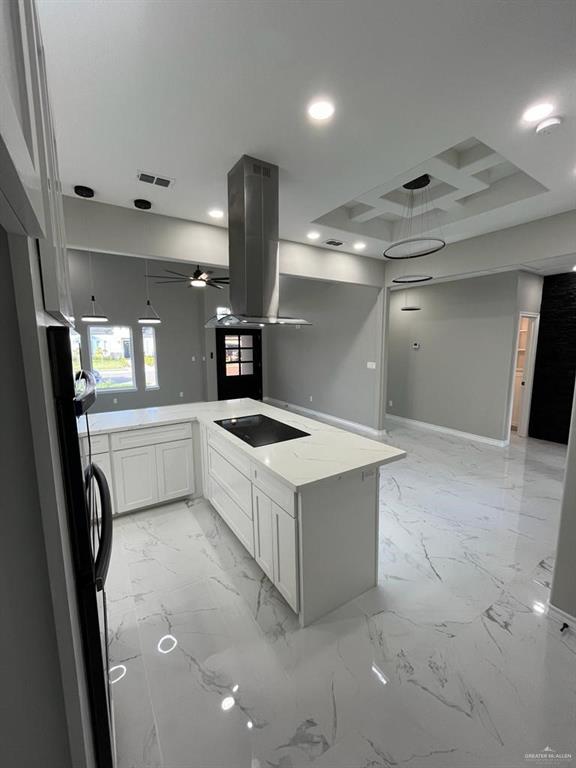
(334, 243)
(152, 178)
(261, 170)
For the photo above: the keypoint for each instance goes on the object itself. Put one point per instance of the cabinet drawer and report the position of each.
(99, 444)
(234, 455)
(276, 490)
(232, 514)
(234, 482)
(134, 438)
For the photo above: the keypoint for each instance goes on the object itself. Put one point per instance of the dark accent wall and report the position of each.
(555, 366)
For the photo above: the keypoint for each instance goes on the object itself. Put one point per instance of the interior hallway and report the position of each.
(451, 661)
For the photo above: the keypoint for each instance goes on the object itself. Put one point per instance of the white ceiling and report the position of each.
(182, 89)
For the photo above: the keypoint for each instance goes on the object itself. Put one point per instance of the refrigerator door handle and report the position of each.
(105, 548)
(87, 397)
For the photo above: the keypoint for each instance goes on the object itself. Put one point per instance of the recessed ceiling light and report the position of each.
(313, 235)
(216, 213)
(321, 110)
(538, 112)
(359, 246)
(574, 268)
(548, 125)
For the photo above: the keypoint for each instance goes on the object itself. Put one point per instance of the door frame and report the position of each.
(524, 420)
(219, 349)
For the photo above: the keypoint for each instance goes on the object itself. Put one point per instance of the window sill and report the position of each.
(114, 391)
(151, 389)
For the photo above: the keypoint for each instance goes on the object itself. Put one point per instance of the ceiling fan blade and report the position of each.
(223, 280)
(170, 282)
(166, 277)
(212, 284)
(180, 274)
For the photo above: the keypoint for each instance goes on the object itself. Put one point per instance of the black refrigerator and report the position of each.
(89, 517)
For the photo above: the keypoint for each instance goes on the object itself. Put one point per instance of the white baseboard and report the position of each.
(336, 421)
(448, 430)
(560, 615)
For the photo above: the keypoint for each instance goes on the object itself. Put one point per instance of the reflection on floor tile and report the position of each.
(451, 662)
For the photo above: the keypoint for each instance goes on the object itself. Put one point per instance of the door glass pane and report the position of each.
(247, 369)
(245, 341)
(231, 341)
(232, 369)
(246, 355)
(232, 355)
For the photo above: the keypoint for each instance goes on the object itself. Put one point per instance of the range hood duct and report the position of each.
(253, 246)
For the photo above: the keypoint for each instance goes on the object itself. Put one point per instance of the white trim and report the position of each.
(448, 431)
(352, 426)
(560, 615)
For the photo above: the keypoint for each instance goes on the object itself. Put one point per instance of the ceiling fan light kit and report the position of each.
(200, 279)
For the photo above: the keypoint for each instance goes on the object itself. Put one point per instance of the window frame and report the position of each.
(157, 385)
(112, 390)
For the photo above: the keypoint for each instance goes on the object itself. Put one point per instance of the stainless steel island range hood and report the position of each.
(253, 247)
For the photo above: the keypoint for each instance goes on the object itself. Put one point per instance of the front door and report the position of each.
(239, 364)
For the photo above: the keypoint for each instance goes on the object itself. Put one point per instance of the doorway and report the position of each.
(524, 372)
(239, 364)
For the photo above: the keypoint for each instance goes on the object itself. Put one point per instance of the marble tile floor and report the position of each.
(451, 662)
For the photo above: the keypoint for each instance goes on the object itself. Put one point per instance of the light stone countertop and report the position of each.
(326, 452)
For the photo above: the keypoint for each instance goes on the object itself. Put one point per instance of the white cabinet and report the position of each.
(263, 532)
(285, 554)
(275, 545)
(231, 513)
(136, 480)
(175, 470)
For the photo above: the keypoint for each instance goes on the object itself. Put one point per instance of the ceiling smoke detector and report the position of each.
(152, 178)
(334, 243)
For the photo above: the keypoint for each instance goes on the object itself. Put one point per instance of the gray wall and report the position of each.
(328, 359)
(461, 376)
(563, 594)
(32, 710)
(120, 290)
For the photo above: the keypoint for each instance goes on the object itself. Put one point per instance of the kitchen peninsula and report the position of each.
(305, 508)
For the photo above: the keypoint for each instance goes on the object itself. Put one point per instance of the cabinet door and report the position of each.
(175, 470)
(285, 555)
(263, 528)
(135, 477)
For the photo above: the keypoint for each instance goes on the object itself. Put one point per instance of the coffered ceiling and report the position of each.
(182, 89)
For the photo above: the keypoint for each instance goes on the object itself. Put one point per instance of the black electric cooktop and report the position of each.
(260, 430)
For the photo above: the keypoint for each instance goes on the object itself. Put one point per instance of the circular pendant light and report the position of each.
(414, 307)
(416, 239)
(407, 279)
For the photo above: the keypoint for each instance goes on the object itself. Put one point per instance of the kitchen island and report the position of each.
(306, 509)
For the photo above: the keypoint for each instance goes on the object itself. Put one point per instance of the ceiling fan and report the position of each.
(200, 279)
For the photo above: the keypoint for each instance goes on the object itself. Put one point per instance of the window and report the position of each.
(150, 361)
(75, 346)
(222, 312)
(111, 356)
(239, 355)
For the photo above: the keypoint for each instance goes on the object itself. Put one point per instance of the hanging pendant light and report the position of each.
(150, 316)
(94, 315)
(414, 240)
(407, 279)
(413, 307)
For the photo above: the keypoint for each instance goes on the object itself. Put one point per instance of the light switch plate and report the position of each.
(371, 365)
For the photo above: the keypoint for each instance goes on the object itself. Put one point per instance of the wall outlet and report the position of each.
(203, 358)
(193, 358)
(371, 365)
(181, 394)
(115, 400)
(310, 398)
(390, 404)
